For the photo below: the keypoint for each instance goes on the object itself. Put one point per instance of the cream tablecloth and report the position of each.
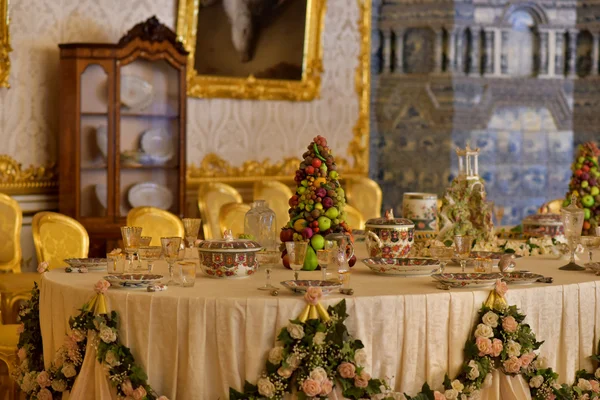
(196, 342)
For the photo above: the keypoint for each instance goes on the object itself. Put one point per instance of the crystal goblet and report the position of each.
(296, 254)
(462, 245)
(591, 243)
(170, 248)
(267, 259)
(149, 254)
(443, 253)
(191, 227)
(131, 240)
(324, 257)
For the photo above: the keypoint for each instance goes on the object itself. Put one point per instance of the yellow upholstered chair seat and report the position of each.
(277, 196)
(551, 207)
(364, 194)
(57, 237)
(15, 289)
(231, 216)
(11, 219)
(211, 197)
(9, 339)
(354, 218)
(156, 223)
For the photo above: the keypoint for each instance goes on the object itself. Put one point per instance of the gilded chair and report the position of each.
(57, 237)
(9, 339)
(11, 219)
(211, 197)
(277, 196)
(551, 207)
(156, 223)
(354, 218)
(365, 195)
(231, 216)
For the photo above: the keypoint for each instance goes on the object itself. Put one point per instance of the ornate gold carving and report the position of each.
(16, 180)
(253, 88)
(4, 44)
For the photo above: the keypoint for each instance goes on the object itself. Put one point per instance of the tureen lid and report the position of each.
(420, 196)
(229, 244)
(389, 220)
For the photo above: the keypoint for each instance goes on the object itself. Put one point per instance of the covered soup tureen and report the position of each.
(389, 237)
(228, 257)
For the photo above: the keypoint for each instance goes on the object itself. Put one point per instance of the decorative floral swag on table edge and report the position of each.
(93, 325)
(315, 352)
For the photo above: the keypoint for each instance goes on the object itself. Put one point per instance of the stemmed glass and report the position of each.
(591, 243)
(191, 227)
(296, 253)
(145, 240)
(131, 240)
(443, 253)
(170, 248)
(149, 254)
(324, 257)
(498, 214)
(267, 259)
(463, 244)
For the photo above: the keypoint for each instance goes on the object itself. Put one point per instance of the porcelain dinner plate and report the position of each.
(100, 190)
(468, 280)
(102, 140)
(495, 256)
(593, 266)
(402, 266)
(92, 264)
(150, 194)
(303, 285)
(157, 144)
(133, 279)
(136, 93)
(520, 278)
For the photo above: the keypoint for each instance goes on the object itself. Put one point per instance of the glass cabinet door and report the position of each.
(94, 134)
(148, 136)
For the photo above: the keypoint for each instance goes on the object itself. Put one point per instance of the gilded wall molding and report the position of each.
(14, 179)
(5, 48)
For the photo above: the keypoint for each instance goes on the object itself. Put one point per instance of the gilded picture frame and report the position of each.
(5, 48)
(251, 87)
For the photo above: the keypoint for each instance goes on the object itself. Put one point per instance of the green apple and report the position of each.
(587, 213)
(301, 190)
(324, 223)
(585, 184)
(587, 200)
(580, 160)
(332, 213)
(304, 182)
(595, 191)
(317, 241)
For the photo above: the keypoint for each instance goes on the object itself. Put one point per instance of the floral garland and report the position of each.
(94, 324)
(313, 353)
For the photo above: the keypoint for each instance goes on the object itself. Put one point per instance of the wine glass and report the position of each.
(267, 259)
(145, 240)
(191, 227)
(443, 253)
(498, 214)
(131, 240)
(324, 258)
(591, 243)
(149, 254)
(342, 258)
(296, 254)
(462, 244)
(170, 248)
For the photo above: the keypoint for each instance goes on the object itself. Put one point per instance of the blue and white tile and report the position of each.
(548, 124)
(509, 146)
(531, 119)
(560, 146)
(535, 147)
(534, 179)
(508, 179)
(486, 142)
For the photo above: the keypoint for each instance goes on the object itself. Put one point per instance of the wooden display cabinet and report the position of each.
(122, 129)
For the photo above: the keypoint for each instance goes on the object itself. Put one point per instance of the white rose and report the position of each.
(475, 395)
(536, 381)
(484, 331)
(360, 357)
(474, 371)
(59, 385)
(319, 338)
(451, 394)
(111, 359)
(296, 331)
(513, 349)
(541, 363)
(597, 373)
(318, 374)
(490, 318)
(487, 382)
(463, 397)
(293, 361)
(276, 355)
(584, 384)
(265, 387)
(457, 385)
(108, 335)
(69, 370)
(29, 382)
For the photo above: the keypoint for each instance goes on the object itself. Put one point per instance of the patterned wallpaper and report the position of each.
(236, 130)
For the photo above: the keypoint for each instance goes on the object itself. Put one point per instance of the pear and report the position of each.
(310, 262)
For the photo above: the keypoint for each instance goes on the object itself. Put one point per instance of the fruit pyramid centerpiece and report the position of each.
(585, 184)
(317, 207)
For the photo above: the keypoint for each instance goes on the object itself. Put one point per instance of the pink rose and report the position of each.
(20, 328)
(313, 295)
(139, 393)
(551, 396)
(526, 359)
(44, 394)
(326, 387)
(347, 370)
(77, 335)
(512, 365)
(101, 286)
(484, 345)
(509, 324)
(496, 347)
(595, 386)
(22, 354)
(43, 267)
(127, 388)
(501, 288)
(43, 379)
(284, 372)
(438, 396)
(311, 388)
(362, 380)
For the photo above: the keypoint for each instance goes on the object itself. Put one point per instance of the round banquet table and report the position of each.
(194, 343)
